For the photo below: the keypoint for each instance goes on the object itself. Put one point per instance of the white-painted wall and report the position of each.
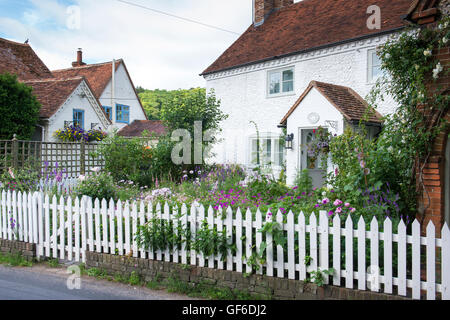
(124, 94)
(243, 92)
(65, 113)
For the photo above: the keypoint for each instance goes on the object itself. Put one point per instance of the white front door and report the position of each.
(307, 161)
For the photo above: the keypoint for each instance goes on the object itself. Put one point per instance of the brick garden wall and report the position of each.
(266, 287)
(434, 170)
(27, 250)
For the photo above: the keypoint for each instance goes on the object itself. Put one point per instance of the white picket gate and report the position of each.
(66, 229)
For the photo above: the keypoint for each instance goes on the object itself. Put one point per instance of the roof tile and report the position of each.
(20, 59)
(136, 128)
(52, 93)
(308, 25)
(352, 106)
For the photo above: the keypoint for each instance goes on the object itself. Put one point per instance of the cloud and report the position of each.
(160, 51)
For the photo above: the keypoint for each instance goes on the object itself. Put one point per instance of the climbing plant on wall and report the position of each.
(411, 74)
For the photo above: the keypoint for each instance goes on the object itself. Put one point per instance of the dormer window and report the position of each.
(280, 82)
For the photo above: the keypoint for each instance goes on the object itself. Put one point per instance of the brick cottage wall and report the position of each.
(258, 285)
(434, 169)
(27, 250)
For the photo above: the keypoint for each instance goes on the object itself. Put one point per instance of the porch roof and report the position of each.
(349, 103)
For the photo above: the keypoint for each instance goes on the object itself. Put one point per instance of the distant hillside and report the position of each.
(153, 100)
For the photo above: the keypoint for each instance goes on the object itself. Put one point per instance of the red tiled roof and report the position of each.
(351, 105)
(308, 25)
(98, 75)
(52, 93)
(21, 60)
(136, 128)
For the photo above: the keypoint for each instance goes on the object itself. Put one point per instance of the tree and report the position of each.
(19, 108)
(189, 106)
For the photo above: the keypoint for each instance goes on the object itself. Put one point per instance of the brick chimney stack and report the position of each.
(79, 62)
(263, 8)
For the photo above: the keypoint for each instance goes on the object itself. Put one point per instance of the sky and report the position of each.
(160, 51)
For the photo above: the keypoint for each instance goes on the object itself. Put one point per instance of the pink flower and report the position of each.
(339, 210)
(337, 202)
(11, 173)
(325, 201)
(347, 204)
(352, 210)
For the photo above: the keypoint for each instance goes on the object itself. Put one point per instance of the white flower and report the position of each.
(390, 149)
(82, 178)
(191, 172)
(96, 169)
(437, 70)
(444, 40)
(427, 53)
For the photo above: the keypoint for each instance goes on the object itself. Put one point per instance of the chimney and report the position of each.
(79, 61)
(263, 8)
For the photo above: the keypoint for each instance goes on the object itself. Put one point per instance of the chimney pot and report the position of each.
(79, 61)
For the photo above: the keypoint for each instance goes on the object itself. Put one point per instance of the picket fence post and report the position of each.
(445, 262)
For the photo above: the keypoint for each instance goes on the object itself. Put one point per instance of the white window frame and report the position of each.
(274, 137)
(280, 71)
(370, 78)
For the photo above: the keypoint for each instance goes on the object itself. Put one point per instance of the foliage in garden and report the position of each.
(410, 76)
(19, 109)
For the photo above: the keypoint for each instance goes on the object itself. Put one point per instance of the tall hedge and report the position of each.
(19, 108)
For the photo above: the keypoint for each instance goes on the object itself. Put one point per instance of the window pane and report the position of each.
(288, 86)
(268, 148)
(274, 84)
(281, 151)
(375, 59)
(376, 72)
(288, 75)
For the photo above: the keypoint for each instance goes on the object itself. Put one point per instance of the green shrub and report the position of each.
(97, 185)
(19, 108)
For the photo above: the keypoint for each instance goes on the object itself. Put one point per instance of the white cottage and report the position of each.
(95, 96)
(62, 99)
(112, 86)
(262, 75)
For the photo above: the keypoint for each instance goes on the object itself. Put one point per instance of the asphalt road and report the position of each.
(44, 283)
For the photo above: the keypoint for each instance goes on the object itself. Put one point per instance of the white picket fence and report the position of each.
(66, 185)
(66, 229)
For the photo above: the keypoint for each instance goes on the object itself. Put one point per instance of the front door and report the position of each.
(309, 161)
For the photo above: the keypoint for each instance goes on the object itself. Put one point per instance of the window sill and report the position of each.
(280, 95)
